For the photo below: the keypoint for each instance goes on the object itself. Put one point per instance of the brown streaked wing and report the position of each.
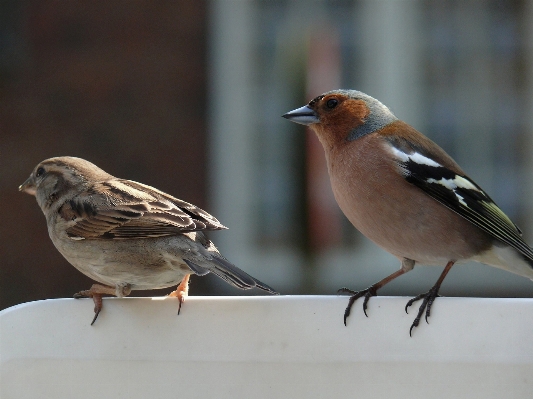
(177, 205)
(124, 209)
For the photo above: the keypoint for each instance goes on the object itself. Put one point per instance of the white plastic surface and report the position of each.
(266, 347)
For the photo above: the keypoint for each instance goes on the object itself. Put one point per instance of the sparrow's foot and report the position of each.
(355, 295)
(96, 292)
(429, 297)
(181, 292)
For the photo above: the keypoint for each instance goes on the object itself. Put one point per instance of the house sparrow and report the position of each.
(407, 195)
(126, 235)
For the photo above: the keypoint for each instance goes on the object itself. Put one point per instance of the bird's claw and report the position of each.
(97, 299)
(181, 292)
(82, 294)
(96, 313)
(355, 295)
(345, 290)
(429, 297)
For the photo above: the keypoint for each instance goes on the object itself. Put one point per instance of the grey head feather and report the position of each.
(379, 117)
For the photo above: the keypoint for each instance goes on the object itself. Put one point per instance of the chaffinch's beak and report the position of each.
(28, 186)
(303, 116)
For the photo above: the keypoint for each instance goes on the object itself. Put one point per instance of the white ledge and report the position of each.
(266, 347)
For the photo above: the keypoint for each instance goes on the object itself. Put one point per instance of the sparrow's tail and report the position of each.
(229, 273)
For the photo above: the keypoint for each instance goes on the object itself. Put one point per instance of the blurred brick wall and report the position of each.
(120, 83)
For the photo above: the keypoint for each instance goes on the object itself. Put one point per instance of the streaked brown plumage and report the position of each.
(126, 235)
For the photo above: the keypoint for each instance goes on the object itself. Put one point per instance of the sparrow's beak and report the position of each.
(303, 116)
(28, 187)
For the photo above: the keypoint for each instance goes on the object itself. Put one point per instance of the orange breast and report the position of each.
(394, 214)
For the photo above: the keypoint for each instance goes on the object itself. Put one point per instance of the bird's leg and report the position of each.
(407, 265)
(181, 291)
(429, 297)
(95, 292)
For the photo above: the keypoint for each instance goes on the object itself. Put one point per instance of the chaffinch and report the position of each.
(127, 235)
(402, 191)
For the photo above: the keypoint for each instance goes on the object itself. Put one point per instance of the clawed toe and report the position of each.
(355, 295)
(97, 299)
(407, 264)
(345, 290)
(96, 292)
(181, 292)
(181, 300)
(82, 294)
(428, 299)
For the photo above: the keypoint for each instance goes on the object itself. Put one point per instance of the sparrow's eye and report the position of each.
(39, 172)
(331, 103)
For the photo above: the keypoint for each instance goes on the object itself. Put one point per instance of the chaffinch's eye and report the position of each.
(39, 172)
(331, 103)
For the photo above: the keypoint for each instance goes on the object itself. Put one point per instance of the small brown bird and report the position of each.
(126, 235)
(402, 191)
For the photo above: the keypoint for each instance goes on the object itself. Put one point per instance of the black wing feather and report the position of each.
(468, 201)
